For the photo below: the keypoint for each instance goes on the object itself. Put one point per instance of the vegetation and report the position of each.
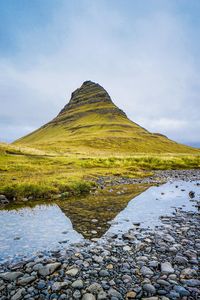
(31, 173)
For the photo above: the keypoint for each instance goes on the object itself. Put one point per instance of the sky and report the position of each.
(145, 53)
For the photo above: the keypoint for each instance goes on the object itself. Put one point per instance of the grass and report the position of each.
(34, 173)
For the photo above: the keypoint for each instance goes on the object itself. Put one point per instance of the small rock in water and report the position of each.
(192, 194)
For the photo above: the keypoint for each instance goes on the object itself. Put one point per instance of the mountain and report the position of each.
(92, 124)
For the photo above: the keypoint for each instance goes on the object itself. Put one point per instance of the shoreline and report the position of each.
(160, 263)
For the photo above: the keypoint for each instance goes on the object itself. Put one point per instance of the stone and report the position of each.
(102, 296)
(95, 288)
(57, 286)
(11, 276)
(181, 260)
(149, 288)
(131, 295)
(146, 271)
(26, 280)
(103, 273)
(88, 296)
(49, 269)
(166, 268)
(18, 295)
(72, 272)
(114, 293)
(76, 294)
(181, 290)
(127, 248)
(192, 282)
(41, 284)
(77, 284)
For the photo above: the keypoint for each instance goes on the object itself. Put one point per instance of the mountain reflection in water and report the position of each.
(40, 226)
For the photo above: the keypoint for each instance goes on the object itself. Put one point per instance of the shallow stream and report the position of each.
(26, 230)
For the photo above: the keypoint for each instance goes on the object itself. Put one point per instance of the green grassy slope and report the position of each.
(91, 124)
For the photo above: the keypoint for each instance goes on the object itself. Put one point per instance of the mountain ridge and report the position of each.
(91, 123)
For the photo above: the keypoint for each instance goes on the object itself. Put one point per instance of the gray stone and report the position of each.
(181, 260)
(114, 293)
(192, 282)
(48, 269)
(72, 272)
(25, 280)
(181, 290)
(95, 288)
(146, 271)
(166, 268)
(149, 288)
(103, 273)
(10, 276)
(76, 294)
(102, 296)
(18, 295)
(77, 284)
(57, 286)
(88, 296)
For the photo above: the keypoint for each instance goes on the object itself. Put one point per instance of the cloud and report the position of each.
(145, 59)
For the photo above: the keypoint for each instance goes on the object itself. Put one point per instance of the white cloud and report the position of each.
(145, 61)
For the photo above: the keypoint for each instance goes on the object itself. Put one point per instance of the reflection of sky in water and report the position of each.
(150, 205)
(38, 229)
(43, 227)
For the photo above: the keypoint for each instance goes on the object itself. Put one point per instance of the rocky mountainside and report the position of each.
(92, 124)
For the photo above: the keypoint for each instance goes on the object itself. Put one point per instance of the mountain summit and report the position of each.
(91, 124)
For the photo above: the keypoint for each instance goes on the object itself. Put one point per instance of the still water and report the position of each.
(24, 231)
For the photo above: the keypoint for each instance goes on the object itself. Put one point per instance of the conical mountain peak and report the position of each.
(91, 123)
(89, 92)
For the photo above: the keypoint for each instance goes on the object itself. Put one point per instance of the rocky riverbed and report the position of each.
(158, 177)
(143, 263)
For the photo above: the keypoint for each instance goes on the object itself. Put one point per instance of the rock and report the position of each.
(168, 238)
(114, 293)
(181, 260)
(146, 271)
(95, 288)
(128, 236)
(49, 269)
(102, 296)
(57, 286)
(163, 282)
(166, 268)
(127, 248)
(72, 272)
(26, 280)
(76, 294)
(192, 282)
(41, 285)
(103, 273)
(10, 276)
(149, 288)
(151, 298)
(18, 295)
(78, 284)
(181, 290)
(3, 199)
(88, 296)
(192, 194)
(188, 273)
(131, 295)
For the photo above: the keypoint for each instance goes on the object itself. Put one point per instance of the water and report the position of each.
(25, 231)
(157, 201)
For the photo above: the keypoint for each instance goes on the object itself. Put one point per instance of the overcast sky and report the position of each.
(145, 53)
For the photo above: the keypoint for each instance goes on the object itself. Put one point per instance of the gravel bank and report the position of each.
(162, 263)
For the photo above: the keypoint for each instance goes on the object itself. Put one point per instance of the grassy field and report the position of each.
(26, 172)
